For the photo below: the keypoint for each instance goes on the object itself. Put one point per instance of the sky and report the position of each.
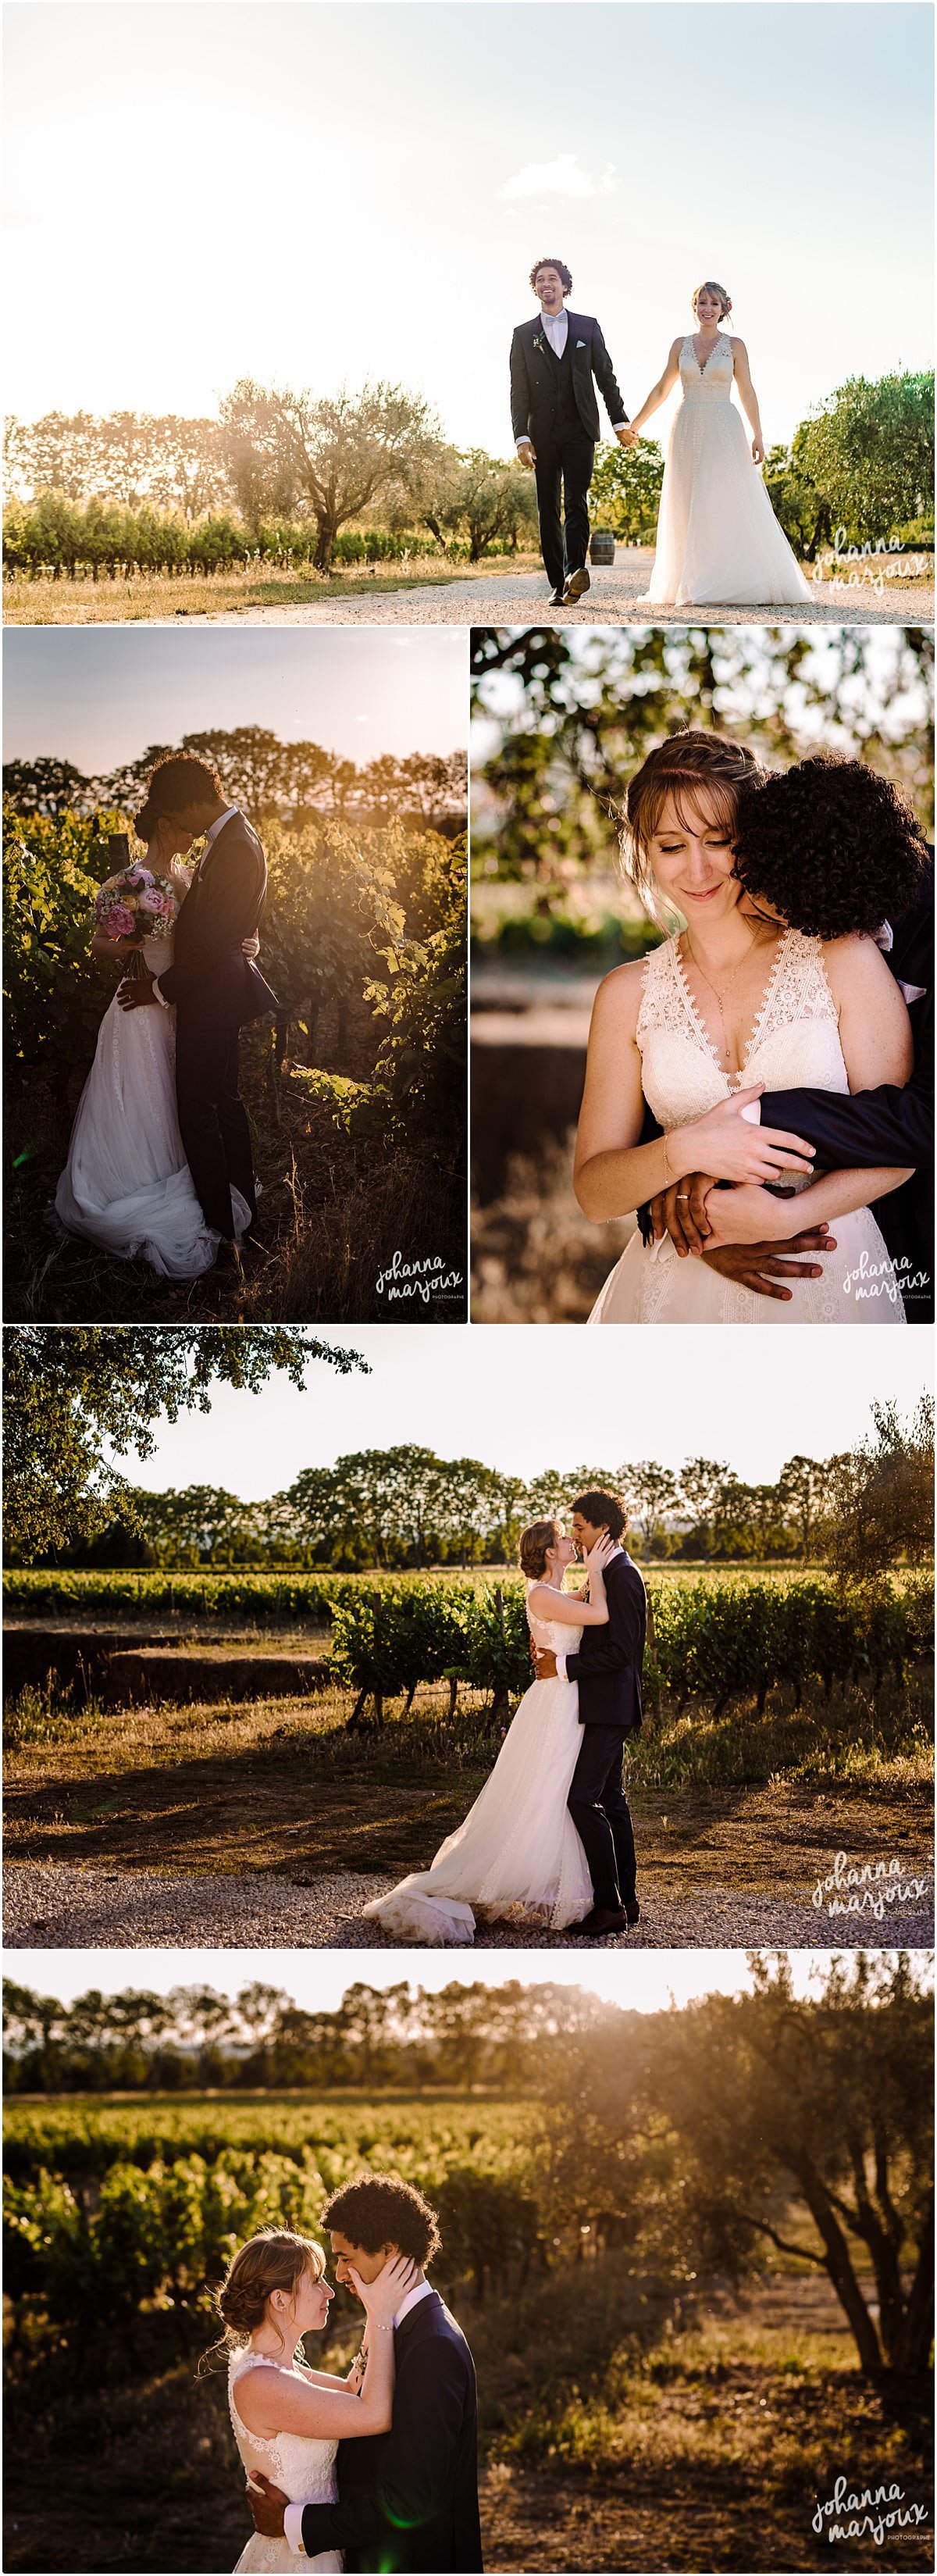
(317, 1980)
(547, 1396)
(316, 195)
(98, 696)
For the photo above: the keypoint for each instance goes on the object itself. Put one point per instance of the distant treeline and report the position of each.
(299, 781)
(406, 1507)
(284, 478)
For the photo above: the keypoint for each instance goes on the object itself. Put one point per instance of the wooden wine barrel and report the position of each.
(602, 546)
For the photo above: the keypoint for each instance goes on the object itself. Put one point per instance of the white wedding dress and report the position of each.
(717, 536)
(517, 1857)
(794, 1044)
(126, 1185)
(304, 2469)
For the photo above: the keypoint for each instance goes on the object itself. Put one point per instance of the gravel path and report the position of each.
(49, 1905)
(617, 596)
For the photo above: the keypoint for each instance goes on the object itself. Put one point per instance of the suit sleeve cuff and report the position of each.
(561, 1668)
(619, 424)
(161, 997)
(293, 2529)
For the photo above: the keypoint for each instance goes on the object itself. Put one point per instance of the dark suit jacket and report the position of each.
(889, 1124)
(408, 2499)
(210, 972)
(535, 378)
(607, 1665)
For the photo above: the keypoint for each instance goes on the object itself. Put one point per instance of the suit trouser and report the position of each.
(602, 1817)
(213, 1119)
(563, 475)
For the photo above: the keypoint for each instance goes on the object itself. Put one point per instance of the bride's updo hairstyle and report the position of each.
(685, 767)
(832, 847)
(274, 2260)
(710, 286)
(532, 1553)
(177, 781)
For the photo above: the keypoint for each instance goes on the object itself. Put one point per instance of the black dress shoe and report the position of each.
(602, 1920)
(577, 583)
(633, 1911)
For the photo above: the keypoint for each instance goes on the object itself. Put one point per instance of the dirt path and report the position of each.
(50, 1905)
(617, 596)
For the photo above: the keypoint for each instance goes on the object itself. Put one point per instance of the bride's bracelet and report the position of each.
(375, 2321)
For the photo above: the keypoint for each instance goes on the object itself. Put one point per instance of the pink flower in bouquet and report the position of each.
(160, 903)
(139, 877)
(119, 922)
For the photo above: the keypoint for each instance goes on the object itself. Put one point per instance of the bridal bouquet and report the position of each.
(137, 905)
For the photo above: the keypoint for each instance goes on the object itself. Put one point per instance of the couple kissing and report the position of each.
(549, 1842)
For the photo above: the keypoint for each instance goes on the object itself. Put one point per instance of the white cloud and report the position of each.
(560, 178)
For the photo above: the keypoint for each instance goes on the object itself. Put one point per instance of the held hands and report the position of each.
(629, 435)
(734, 1150)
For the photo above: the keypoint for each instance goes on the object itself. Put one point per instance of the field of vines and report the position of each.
(111, 2207)
(363, 942)
(712, 1639)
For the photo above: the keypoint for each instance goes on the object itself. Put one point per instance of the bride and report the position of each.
(518, 1855)
(126, 1185)
(288, 2420)
(735, 1004)
(717, 535)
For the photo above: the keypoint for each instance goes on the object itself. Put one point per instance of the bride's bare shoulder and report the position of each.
(618, 999)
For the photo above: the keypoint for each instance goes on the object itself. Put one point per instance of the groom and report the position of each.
(407, 2499)
(555, 419)
(607, 1668)
(215, 988)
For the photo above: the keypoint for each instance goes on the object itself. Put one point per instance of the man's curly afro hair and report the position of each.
(831, 846)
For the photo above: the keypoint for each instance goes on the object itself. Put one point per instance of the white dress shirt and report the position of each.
(556, 326)
(561, 1672)
(210, 836)
(293, 2516)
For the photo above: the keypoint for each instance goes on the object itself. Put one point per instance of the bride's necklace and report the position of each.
(720, 996)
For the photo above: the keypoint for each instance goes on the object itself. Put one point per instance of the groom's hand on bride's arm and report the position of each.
(268, 2505)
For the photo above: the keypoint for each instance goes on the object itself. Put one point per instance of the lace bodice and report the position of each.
(303, 2467)
(712, 383)
(794, 1041)
(556, 1635)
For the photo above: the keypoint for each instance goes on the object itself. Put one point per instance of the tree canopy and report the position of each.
(74, 1392)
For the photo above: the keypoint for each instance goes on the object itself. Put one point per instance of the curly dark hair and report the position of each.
(563, 273)
(176, 782)
(377, 2210)
(831, 846)
(604, 1511)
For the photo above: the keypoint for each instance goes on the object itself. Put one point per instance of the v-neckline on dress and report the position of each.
(691, 336)
(733, 1082)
